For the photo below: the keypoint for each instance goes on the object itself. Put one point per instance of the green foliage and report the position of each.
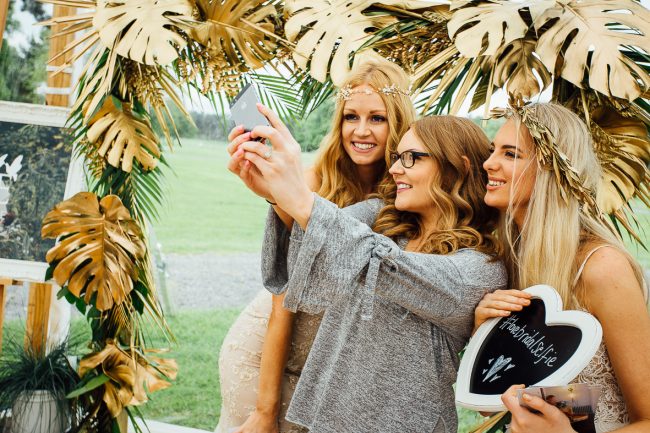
(21, 71)
(310, 131)
(23, 370)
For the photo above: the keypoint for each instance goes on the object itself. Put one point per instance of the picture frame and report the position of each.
(472, 367)
(38, 169)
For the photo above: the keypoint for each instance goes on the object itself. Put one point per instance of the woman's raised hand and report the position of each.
(549, 418)
(500, 303)
(242, 168)
(279, 166)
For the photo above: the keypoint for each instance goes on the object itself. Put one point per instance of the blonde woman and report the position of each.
(398, 277)
(567, 245)
(265, 350)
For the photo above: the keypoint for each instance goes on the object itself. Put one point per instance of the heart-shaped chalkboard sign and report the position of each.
(540, 345)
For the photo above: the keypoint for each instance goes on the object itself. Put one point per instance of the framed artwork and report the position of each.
(37, 171)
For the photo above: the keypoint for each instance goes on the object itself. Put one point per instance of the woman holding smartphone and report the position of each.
(555, 235)
(398, 277)
(265, 350)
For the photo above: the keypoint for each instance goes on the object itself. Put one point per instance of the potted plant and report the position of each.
(33, 388)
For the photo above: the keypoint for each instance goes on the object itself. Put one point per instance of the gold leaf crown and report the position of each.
(551, 158)
(346, 92)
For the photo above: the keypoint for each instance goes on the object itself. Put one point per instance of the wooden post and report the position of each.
(4, 12)
(38, 316)
(4, 282)
(63, 80)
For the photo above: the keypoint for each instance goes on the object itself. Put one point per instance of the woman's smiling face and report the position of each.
(511, 169)
(414, 183)
(364, 128)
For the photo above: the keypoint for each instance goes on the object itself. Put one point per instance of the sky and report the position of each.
(28, 29)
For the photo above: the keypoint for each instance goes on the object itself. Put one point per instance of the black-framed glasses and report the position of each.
(408, 157)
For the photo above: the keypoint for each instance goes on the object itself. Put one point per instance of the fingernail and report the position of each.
(527, 397)
(506, 313)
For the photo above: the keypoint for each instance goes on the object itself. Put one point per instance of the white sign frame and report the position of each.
(43, 115)
(591, 337)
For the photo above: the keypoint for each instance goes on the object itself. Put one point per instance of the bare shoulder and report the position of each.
(608, 275)
(313, 180)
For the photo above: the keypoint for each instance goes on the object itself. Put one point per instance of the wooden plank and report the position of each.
(3, 299)
(38, 316)
(4, 12)
(61, 80)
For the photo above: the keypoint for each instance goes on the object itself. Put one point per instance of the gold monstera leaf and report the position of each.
(594, 34)
(515, 65)
(142, 30)
(121, 137)
(335, 31)
(487, 27)
(127, 376)
(99, 249)
(225, 30)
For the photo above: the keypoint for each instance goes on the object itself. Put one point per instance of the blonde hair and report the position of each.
(457, 190)
(334, 169)
(549, 247)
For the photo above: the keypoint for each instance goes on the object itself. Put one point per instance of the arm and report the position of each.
(612, 295)
(339, 253)
(275, 351)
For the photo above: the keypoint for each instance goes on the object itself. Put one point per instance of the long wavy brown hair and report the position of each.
(457, 190)
(334, 169)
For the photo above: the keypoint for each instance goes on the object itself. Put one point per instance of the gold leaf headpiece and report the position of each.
(551, 158)
(346, 92)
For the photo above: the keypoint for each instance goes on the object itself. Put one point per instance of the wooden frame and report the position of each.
(30, 114)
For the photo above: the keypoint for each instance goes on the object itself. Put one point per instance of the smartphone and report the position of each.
(244, 111)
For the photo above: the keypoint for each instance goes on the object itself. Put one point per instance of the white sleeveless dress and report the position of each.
(611, 412)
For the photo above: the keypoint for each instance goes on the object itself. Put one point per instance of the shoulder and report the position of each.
(608, 275)
(312, 178)
(479, 269)
(365, 211)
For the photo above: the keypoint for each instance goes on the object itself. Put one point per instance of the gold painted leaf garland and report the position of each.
(140, 29)
(100, 248)
(121, 137)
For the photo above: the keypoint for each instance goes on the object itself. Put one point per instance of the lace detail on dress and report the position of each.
(611, 412)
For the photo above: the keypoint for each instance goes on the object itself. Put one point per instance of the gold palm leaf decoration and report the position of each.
(595, 34)
(237, 31)
(121, 137)
(334, 31)
(99, 251)
(142, 29)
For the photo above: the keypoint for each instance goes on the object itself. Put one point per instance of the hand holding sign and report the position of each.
(539, 345)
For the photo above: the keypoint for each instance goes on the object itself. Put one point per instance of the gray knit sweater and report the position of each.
(386, 354)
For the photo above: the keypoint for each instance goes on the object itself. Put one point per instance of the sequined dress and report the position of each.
(239, 363)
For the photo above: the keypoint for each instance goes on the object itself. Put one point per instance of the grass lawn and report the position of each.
(208, 208)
